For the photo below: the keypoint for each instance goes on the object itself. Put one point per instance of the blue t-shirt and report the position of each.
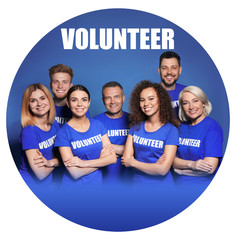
(196, 142)
(174, 94)
(85, 145)
(118, 130)
(149, 147)
(32, 137)
(64, 114)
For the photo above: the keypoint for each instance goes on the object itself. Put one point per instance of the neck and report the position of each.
(115, 115)
(198, 119)
(168, 88)
(42, 122)
(80, 123)
(59, 102)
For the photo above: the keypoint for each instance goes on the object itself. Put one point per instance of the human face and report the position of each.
(149, 102)
(39, 103)
(79, 103)
(169, 72)
(60, 84)
(113, 99)
(193, 107)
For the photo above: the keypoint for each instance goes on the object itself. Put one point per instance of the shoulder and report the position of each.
(100, 116)
(212, 124)
(125, 114)
(28, 130)
(180, 87)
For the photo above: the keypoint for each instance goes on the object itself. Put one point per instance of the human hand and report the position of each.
(201, 165)
(106, 150)
(41, 161)
(74, 162)
(127, 161)
(162, 158)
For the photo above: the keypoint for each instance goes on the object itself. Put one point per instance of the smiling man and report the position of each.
(116, 122)
(169, 70)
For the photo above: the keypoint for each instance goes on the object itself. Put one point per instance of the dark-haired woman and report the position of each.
(153, 138)
(83, 143)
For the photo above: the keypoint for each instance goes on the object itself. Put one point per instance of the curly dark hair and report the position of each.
(166, 110)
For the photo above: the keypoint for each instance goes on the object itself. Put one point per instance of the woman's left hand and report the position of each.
(75, 162)
(127, 162)
(41, 161)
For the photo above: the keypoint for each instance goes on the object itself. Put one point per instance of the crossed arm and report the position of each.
(201, 167)
(160, 167)
(79, 168)
(39, 164)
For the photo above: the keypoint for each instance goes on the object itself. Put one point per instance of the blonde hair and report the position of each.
(26, 115)
(198, 92)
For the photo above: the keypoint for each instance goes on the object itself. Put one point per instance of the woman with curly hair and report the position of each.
(153, 137)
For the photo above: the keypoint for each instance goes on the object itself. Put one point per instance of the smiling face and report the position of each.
(39, 104)
(113, 99)
(60, 84)
(149, 102)
(79, 103)
(169, 72)
(193, 107)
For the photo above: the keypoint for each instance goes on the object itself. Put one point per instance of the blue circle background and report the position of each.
(116, 209)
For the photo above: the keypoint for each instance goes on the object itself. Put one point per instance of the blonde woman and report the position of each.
(200, 142)
(37, 136)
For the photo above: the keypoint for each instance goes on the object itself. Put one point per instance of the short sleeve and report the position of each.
(62, 139)
(28, 138)
(172, 136)
(213, 141)
(103, 129)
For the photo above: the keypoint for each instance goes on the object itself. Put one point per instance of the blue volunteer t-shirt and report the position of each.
(149, 147)
(32, 137)
(196, 142)
(85, 145)
(118, 130)
(174, 94)
(64, 114)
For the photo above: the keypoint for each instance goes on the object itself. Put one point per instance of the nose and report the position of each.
(191, 105)
(39, 103)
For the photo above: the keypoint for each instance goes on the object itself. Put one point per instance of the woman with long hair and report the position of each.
(153, 138)
(37, 136)
(83, 143)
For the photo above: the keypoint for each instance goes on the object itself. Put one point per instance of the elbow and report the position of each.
(163, 171)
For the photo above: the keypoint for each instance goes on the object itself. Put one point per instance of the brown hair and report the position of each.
(166, 109)
(26, 115)
(61, 68)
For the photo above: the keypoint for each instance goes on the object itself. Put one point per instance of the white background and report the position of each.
(23, 24)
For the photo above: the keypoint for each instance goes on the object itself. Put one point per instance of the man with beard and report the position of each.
(61, 81)
(116, 121)
(169, 70)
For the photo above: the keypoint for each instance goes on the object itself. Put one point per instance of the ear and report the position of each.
(159, 70)
(180, 69)
(123, 98)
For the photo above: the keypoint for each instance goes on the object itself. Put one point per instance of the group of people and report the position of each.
(166, 139)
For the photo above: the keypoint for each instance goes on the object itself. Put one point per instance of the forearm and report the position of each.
(181, 164)
(119, 149)
(101, 162)
(151, 168)
(77, 172)
(192, 173)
